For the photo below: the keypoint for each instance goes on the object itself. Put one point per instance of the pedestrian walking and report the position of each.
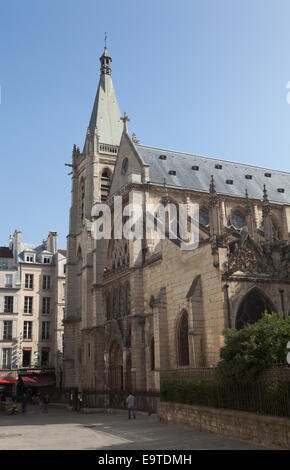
(79, 401)
(40, 404)
(131, 405)
(24, 402)
(45, 403)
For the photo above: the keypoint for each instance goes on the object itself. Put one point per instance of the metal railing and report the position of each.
(116, 399)
(263, 397)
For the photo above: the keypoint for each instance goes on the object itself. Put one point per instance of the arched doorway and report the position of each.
(116, 367)
(251, 308)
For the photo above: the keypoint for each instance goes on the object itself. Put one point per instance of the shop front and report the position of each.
(35, 383)
(8, 384)
(8, 381)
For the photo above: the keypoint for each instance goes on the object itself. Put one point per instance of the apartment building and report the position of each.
(32, 302)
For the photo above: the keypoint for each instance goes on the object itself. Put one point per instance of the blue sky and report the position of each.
(201, 76)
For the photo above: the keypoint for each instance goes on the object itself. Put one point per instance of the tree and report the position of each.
(254, 348)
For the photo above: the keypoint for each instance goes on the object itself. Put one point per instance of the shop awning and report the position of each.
(8, 381)
(40, 381)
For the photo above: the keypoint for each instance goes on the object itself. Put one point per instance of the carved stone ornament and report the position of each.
(248, 258)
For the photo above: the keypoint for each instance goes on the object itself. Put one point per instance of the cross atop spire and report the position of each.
(125, 119)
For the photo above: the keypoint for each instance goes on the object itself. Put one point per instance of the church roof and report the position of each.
(106, 112)
(5, 252)
(194, 172)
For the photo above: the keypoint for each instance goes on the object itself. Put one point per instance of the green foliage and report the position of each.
(254, 348)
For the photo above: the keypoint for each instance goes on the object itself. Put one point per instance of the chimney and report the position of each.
(52, 242)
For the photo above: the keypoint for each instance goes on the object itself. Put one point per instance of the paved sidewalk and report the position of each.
(63, 430)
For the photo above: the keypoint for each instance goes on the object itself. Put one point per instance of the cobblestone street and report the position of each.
(63, 430)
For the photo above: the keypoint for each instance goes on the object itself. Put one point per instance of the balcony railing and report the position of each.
(109, 149)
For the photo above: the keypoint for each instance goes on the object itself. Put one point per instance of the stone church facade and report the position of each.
(135, 307)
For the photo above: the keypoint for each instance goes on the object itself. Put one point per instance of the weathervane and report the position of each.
(106, 40)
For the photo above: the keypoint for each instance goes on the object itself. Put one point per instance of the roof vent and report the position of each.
(195, 167)
(162, 157)
(230, 181)
(268, 175)
(281, 190)
(248, 177)
(172, 172)
(218, 166)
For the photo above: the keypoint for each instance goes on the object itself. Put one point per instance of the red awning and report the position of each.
(40, 381)
(8, 381)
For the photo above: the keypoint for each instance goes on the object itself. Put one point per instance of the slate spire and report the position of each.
(106, 113)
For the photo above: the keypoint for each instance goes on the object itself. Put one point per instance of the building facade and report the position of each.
(141, 305)
(32, 302)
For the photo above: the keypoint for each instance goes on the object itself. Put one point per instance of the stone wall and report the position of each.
(268, 431)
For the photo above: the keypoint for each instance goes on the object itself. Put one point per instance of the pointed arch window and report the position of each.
(182, 340)
(115, 302)
(237, 219)
(121, 301)
(116, 367)
(125, 166)
(252, 308)
(204, 216)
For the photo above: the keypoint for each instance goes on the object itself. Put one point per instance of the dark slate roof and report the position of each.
(5, 252)
(199, 180)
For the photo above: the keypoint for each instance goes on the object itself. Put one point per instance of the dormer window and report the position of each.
(46, 260)
(162, 157)
(195, 167)
(29, 258)
(268, 175)
(281, 190)
(248, 177)
(172, 172)
(218, 166)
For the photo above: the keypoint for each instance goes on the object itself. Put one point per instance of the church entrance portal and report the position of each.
(252, 308)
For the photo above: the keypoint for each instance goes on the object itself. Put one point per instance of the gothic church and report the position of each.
(137, 307)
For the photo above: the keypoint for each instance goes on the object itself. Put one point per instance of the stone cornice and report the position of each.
(254, 278)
